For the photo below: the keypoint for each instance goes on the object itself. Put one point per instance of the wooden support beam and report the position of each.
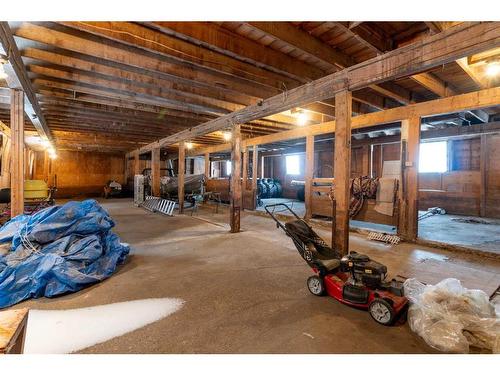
(309, 174)
(484, 175)
(236, 198)
(255, 167)
(342, 169)
(207, 165)
(474, 100)
(155, 172)
(137, 167)
(244, 173)
(447, 46)
(181, 173)
(18, 78)
(408, 208)
(17, 153)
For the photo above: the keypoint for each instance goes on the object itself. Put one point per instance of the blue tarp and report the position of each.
(57, 250)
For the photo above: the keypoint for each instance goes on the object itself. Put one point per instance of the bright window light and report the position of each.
(292, 164)
(228, 167)
(433, 157)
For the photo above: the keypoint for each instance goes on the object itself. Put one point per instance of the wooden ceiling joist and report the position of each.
(18, 79)
(447, 46)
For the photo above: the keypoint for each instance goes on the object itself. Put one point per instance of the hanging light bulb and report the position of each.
(227, 136)
(493, 69)
(302, 118)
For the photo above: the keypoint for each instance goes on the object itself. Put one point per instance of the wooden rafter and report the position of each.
(425, 54)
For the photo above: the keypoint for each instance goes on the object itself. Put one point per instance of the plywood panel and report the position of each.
(83, 173)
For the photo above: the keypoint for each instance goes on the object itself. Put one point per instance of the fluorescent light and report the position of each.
(227, 136)
(493, 69)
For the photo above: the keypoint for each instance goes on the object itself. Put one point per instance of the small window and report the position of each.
(433, 157)
(228, 168)
(292, 164)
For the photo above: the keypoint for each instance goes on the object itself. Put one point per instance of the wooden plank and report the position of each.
(447, 46)
(342, 169)
(410, 144)
(181, 173)
(17, 153)
(13, 331)
(155, 172)
(308, 174)
(18, 79)
(236, 199)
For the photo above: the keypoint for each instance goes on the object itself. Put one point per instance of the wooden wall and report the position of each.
(81, 174)
(491, 176)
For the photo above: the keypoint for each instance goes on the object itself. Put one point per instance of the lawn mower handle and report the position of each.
(271, 213)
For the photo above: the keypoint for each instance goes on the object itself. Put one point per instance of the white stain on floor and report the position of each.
(67, 331)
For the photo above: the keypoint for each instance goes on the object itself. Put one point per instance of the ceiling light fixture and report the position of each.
(302, 118)
(227, 136)
(189, 145)
(493, 69)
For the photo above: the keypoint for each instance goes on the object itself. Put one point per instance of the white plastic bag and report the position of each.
(452, 318)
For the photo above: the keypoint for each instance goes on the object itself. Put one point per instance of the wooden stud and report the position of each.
(255, 168)
(236, 198)
(244, 173)
(408, 210)
(484, 175)
(207, 165)
(17, 152)
(309, 174)
(342, 168)
(155, 172)
(181, 173)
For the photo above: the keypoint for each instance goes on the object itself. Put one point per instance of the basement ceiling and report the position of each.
(115, 86)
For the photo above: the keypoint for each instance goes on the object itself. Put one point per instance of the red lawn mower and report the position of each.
(353, 279)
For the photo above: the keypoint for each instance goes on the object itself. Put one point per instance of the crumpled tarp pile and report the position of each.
(451, 318)
(57, 250)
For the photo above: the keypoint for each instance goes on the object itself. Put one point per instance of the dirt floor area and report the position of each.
(246, 292)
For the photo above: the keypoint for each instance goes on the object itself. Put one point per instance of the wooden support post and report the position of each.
(235, 179)
(408, 210)
(342, 166)
(484, 175)
(155, 172)
(207, 165)
(309, 174)
(137, 160)
(46, 163)
(181, 173)
(255, 168)
(17, 152)
(244, 179)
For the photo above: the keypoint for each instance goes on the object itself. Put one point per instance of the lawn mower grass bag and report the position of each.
(57, 250)
(451, 318)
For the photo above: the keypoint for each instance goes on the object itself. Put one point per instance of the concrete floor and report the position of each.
(446, 229)
(246, 292)
(297, 206)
